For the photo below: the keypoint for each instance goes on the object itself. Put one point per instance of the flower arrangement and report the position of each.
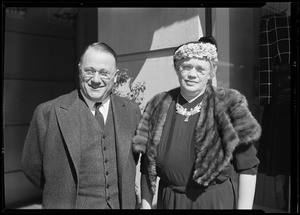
(125, 87)
(199, 50)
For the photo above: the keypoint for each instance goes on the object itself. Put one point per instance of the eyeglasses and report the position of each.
(90, 72)
(187, 68)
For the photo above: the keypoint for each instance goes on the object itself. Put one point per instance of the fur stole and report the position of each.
(224, 122)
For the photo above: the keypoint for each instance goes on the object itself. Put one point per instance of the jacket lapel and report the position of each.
(68, 113)
(122, 131)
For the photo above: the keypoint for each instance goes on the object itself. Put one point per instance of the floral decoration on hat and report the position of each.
(198, 50)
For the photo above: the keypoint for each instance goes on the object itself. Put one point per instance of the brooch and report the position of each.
(183, 111)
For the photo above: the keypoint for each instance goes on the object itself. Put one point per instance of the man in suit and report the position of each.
(78, 146)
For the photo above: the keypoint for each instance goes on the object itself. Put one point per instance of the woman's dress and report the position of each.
(175, 167)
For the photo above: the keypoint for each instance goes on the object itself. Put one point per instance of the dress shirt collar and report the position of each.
(103, 108)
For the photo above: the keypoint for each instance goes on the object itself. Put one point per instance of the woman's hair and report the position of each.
(209, 39)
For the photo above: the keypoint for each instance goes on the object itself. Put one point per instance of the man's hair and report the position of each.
(99, 46)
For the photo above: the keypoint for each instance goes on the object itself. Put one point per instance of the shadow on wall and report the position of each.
(141, 34)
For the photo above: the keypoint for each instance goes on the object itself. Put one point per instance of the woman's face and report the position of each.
(193, 75)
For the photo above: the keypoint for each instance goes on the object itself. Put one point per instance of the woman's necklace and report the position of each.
(183, 111)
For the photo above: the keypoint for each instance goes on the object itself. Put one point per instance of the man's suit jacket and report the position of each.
(51, 154)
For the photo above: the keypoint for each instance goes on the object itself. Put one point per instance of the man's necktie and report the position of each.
(99, 115)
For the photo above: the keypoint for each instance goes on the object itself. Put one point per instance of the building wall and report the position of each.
(145, 40)
(237, 33)
(39, 57)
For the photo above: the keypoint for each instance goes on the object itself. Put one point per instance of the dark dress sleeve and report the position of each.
(245, 160)
(143, 167)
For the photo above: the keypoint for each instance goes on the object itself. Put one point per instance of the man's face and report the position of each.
(193, 75)
(97, 74)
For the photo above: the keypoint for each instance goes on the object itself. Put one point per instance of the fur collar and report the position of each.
(224, 122)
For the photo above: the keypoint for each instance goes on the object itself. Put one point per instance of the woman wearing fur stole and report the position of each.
(196, 138)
